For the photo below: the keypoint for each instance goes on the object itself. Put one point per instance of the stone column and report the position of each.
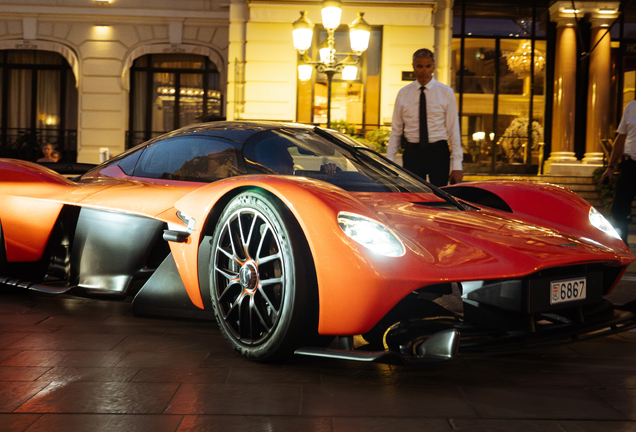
(564, 97)
(598, 93)
(239, 15)
(443, 21)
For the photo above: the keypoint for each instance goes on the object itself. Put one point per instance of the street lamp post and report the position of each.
(330, 64)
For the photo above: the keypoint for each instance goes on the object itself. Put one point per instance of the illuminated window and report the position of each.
(498, 74)
(169, 91)
(355, 102)
(39, 104)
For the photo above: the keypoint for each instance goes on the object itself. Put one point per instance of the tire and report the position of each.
(262, 279)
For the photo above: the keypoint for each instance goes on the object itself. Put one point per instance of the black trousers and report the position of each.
(432, 159)
(624, 194)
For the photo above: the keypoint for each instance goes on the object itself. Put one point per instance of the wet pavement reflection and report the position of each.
(76, 364)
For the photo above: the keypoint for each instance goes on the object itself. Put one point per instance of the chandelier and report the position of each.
(187, 94)
(520, 60)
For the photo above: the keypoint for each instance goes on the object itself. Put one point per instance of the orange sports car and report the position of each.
(300, 240)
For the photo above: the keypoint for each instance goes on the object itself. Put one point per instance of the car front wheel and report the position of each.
(261, 279)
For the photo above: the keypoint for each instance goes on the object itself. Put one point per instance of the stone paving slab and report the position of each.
(73, 364)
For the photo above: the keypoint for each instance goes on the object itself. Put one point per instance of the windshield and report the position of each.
(327, 156)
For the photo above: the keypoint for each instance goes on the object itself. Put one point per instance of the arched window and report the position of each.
(169, 91)
(38, 104)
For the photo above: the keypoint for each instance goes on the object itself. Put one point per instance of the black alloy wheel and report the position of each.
(259, 280)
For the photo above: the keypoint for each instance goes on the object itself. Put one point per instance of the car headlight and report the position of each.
(598, 220)
(371, 234)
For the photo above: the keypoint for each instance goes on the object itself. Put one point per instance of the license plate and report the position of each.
(567, 290)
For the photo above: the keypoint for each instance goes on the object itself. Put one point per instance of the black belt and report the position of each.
(430, 143)
(626, 158)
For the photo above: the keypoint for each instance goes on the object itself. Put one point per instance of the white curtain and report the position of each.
(19, 106)
(48, 106)
(48, 99)
(139, 108)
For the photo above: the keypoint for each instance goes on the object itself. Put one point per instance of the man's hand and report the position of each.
(329, 168)
(456, 176)
(607, 175)
(617, 154)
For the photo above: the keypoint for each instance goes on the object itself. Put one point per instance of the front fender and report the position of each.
(344, 270)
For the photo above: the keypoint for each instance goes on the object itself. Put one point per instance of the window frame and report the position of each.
(136, 135)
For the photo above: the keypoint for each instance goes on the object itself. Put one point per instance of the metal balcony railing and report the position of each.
(25, 144)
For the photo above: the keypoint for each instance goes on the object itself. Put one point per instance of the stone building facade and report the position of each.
(96, 77)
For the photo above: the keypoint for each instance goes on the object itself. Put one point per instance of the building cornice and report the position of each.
(381, 3)
(113, 12)
(601, 12)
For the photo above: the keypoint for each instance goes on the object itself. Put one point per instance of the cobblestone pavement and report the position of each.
(76, 364)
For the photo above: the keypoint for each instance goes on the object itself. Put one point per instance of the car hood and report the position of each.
(482, 243)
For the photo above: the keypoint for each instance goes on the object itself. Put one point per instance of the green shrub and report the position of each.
(606, 190)
(376, 139)
(344, 127)
(379, 139)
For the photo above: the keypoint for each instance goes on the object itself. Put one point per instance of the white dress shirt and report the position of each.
(627, 127)
(442, 119)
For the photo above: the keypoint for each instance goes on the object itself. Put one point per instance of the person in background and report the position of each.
(426, 113)
(623, 158)
(47, 151)
(56, 156)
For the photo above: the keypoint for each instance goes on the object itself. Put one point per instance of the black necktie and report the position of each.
(423, 122)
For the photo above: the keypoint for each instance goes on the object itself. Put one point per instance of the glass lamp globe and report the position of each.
(331, 13)
(349, 73)
(303, 32)
(304, 72)
(359, 33)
